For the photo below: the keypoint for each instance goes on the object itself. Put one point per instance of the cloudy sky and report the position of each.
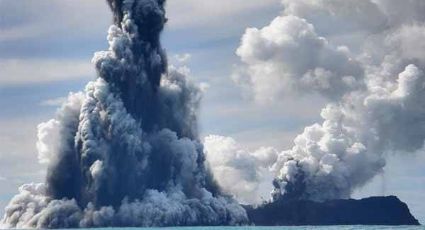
(45, 52)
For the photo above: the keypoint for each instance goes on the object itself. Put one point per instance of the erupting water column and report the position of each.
(128, 152)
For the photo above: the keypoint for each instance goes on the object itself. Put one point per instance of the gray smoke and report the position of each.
(125, 152)
(366, 57)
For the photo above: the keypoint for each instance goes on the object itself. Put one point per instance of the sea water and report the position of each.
(353, 227)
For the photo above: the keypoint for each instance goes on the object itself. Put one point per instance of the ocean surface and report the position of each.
(357, 227)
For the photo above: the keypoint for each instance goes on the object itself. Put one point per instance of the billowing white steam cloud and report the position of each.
(366, 57)
(238, 171)
(288, 56)
(126, 151)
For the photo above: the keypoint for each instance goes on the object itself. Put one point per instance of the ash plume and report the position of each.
(366, 57)
(125, 152)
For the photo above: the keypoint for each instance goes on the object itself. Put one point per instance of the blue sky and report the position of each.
(45, 52)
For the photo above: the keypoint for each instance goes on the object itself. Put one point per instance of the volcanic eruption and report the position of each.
(125, 152)
(364, 60)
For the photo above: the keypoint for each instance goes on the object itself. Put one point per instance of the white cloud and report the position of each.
(50, 133)
(288, 57)
(24, 71)
(239, 172)
(409, 40)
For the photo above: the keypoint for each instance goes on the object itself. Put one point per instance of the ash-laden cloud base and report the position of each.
(367, 59)
(125, 152)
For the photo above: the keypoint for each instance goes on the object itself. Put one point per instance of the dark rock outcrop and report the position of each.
(369, 211)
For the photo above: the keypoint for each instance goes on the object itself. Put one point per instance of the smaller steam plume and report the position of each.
(366, 58)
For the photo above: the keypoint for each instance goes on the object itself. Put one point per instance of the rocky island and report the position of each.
(369, 211)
